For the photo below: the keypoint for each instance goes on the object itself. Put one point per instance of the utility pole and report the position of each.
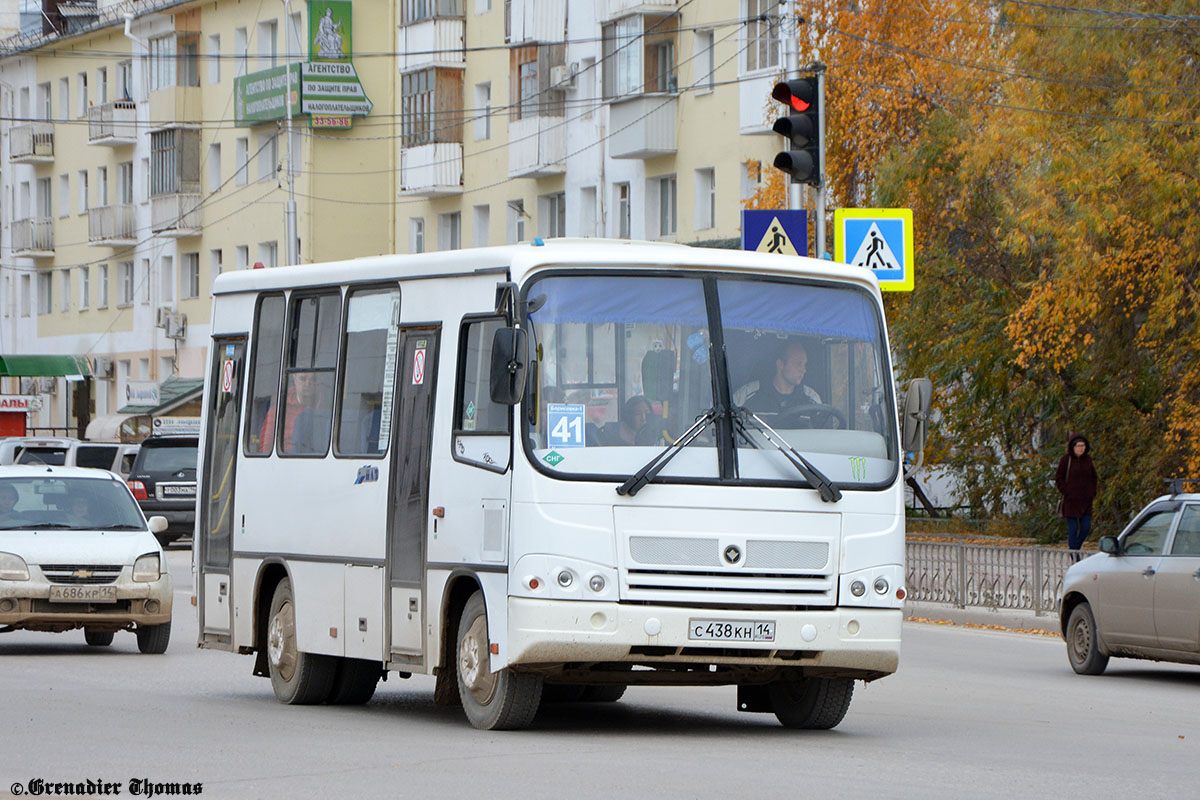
(293, 255)
(819, 68)
(791, 48)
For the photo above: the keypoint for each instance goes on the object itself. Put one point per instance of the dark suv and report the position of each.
(163, 481)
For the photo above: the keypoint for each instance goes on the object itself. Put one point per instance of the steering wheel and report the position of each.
(812, 415)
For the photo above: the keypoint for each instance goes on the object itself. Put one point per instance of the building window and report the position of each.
(102, 85)
(703, 60)
(102, 286)
(553, 213)
(529, 81)
(101, 186)
(214, 167)
(215, 265)
(45, 203)
(189, 278)
(450, 231)
(587, 211)
(267, 156)
(81, 94)
(483, 111)
(268, 254)
(639, 55)
(412, 11)
(64, 98)
(64, 299)
(240, 48)
(482, 215)
(706, 199)
(762, 39)
(624, 216)
(85, 288)
(125, 80)
(241, 155)
(125, 183)
(516, 221)
(666, 206)
(64, 195)
(189, 61)
(416, 235)
(214, 58)
(174, 161)
(268, 47)
(125, 283)
(26, 303)
(45, 293)
(416, 108)
(166, 280)
(144, 283)
(243, 256)
(162, 62)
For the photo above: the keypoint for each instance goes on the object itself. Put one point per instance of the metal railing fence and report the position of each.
(1025, 578)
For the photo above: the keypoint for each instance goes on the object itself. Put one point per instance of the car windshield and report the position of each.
(70, 503)
(169, 458)
(625, 365)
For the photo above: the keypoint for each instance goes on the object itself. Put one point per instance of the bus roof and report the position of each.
(521, 260)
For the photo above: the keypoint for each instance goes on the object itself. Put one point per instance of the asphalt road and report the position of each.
(972, 713)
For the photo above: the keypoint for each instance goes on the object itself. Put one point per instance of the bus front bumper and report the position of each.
(852, 640)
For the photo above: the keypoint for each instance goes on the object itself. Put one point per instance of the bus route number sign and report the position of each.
(565, 423)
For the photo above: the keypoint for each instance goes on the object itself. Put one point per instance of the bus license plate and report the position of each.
(83, 594)
(731, 630)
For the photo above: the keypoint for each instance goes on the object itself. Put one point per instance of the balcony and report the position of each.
(643, 126)
(111, 226)
(113, 124)
(431, 170)
(33, 237)
(621, 8)
(536, 21)
(432, 43)
(32, 143)
(537, 147)
(175, 107)
(175, 215)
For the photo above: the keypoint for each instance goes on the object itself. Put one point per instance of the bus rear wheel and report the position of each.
(810, 703)
(493, 701)
(298, 678)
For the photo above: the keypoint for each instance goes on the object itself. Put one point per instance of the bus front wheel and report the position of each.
(810, 703)
(503, 700)
(298, 678)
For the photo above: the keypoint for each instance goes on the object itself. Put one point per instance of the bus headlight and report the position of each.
(565, 578)
(596, 583)
(881, 586)
(13, 568)
(858, 588)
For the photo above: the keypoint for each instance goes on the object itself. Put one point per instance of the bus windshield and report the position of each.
(626, 364)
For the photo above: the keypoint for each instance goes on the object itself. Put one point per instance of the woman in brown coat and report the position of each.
(1076, 480)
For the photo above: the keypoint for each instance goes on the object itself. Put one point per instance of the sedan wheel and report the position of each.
(1083, 642)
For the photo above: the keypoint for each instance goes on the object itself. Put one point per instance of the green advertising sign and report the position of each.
(329, 30)
(262, 96)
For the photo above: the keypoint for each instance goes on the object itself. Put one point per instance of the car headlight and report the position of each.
(13, 568)
(147, 568)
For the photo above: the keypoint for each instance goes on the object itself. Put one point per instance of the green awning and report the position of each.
(32, 366)
(172, 393)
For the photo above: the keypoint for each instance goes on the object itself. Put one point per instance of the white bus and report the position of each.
(549, 471)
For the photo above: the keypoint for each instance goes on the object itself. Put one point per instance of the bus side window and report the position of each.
(264, 376)
(314, 337)
(370, 356)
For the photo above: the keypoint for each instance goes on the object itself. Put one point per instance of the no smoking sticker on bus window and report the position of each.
(227, 375)
(419, 367)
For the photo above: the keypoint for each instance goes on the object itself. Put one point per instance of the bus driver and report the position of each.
(787, 390)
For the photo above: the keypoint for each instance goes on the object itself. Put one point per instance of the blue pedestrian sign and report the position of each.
(878, 239)
(784, 232)
(564, 421)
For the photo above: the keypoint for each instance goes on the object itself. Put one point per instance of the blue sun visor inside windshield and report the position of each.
(751, 304)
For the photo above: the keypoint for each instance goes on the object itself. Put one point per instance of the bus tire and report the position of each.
(492, 701)
(298, 678)
(153, 639)
(810, 703)
(355, 682)
(603, 693)
(96, 638)
(1083, 642)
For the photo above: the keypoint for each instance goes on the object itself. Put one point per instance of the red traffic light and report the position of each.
(799, 94)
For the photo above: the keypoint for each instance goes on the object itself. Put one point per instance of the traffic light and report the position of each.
(802, 159)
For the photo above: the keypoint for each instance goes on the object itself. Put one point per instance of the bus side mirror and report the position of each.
(510, 357)
(1110, 545)
(917, 402)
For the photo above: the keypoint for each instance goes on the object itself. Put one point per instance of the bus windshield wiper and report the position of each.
(647, 473)
(828, 490)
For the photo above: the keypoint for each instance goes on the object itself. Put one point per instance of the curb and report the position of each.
(990, 617)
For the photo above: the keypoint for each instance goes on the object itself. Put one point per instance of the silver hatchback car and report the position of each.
(1139, 597)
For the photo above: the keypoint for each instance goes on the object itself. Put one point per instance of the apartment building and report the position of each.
(621, 118)
(144, 150)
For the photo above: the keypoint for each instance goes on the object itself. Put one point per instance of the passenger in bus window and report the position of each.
(632, 428)
(266, 439)
(311, 431)
(786, 390)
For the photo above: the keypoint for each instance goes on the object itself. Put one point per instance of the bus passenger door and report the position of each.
(409, 495)
(215, 507)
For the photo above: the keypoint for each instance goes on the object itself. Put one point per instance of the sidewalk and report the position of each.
(974, 615)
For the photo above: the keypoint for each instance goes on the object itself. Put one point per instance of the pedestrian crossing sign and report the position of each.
(782, 232)
(878, 239)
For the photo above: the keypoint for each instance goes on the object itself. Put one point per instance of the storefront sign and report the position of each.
(141, 393)
(176, 426)
(20, 402)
